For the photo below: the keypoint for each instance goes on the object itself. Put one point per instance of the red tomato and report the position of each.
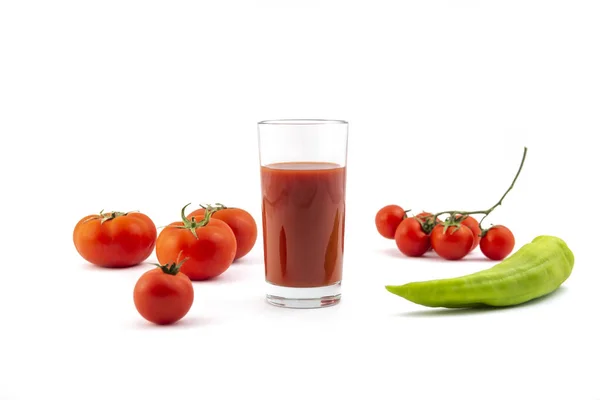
(497, 242)
(209, 252)
(410, 238)
(387, 220)
(453, 244)
(473, 225)
(115, 239)
(241, 223)
(163, 295)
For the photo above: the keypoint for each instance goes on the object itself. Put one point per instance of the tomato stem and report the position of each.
(464, 214)
(173, 268)
(507, 190)
(108, 216)
(192, 224)
(427, 224)
(219, 206)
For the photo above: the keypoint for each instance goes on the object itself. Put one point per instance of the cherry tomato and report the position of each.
(410, 238)
(472, 224)
(241, 223)
(208, 245)
(454, 243)
(387, 220)
(115, 239)
(163, 295)
(497, 243)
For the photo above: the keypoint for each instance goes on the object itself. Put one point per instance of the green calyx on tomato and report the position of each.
(210, 207)
(427, 222)
(453, 220)
(173, 268)
(191, 224)
(104, 217)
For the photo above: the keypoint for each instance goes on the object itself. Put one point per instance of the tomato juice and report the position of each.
(303, 219)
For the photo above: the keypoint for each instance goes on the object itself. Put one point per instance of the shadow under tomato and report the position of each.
(449, 312)
(394, 252)
(468, 258)
(226, 278)
(93, 267)
(432, 256)
(186, 322)
(246, 260)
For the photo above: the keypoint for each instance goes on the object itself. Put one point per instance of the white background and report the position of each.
(149, 105)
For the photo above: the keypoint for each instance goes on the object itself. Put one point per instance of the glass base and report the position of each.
(313, 297)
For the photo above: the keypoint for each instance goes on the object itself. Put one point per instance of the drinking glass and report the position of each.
(303, 182)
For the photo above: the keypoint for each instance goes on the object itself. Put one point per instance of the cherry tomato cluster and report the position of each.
(201, 246)
(451, 239)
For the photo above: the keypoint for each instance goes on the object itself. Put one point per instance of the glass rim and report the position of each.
(303, 122)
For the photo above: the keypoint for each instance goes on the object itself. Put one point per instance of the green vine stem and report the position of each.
(454, 220)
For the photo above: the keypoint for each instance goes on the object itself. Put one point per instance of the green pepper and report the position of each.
(535, 270)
